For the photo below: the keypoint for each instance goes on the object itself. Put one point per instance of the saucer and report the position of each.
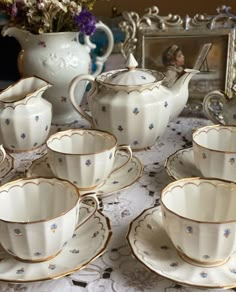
(152, 247)
(89, 241)
(6, 166)
(181, 164)
(124, 177)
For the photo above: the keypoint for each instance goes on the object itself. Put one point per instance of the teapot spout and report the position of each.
(182, 82)
(180, 92)
(21, 35)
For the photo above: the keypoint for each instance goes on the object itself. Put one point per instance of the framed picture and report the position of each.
(205, 43)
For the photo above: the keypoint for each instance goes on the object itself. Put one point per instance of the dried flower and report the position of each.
(42, 16)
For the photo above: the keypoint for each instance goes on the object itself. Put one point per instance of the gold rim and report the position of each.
(36, 261)
(19, 102)
(99, 253)
(133, 253)
(203, 264)
(70, 132)
(170, 159)
(103, 77)
(13, 184)
(191, 180)
(206, 129)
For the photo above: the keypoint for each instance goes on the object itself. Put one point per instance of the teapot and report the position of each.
(25, 117)
(132, 103)
(219, 108)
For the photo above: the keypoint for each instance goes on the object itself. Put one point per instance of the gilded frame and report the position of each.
(161, 31)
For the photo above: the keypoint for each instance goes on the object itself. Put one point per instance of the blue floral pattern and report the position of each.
(74, 250)
(7, 121)
(204, 155)
(53, 227)
(227, 232)
(151, 126)
(52, 267)
(20, 271)
(17, 232)
(203, 274)
(189, 230)
(120, 128)
(88, 162)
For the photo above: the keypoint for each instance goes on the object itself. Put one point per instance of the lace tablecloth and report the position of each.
(116, 270)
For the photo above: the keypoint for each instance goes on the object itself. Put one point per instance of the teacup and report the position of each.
(214, 149)
(38, 216)
(199, 216)
(85, 157)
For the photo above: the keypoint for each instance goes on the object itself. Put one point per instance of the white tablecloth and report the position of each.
(116, 270)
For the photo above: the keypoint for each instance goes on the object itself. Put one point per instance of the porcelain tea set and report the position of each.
(129, 110)
(190, 237)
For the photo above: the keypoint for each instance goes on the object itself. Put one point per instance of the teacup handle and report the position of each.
(85, 197)
(92, 91)
(2, 154)
(128, 150)
(208, 100)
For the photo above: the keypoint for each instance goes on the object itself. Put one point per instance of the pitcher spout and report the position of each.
(22, 36)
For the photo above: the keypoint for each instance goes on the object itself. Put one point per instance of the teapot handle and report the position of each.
(92, 91)
(100, 60)
(214, 98)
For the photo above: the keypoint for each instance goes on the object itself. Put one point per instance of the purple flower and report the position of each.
(86, 22)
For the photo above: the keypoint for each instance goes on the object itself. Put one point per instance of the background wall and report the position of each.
(181, 7)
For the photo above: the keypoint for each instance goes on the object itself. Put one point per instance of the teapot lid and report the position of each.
(131, 75)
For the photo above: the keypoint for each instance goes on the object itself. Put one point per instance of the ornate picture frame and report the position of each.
(208, 44)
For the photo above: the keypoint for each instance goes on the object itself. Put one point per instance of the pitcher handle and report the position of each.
(128, 150)
(92, 91)
(92, 197)
(100, 60)
(211, 97)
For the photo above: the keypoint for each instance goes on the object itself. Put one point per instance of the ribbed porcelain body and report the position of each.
(200, 218)
(214, 149)
(132, 103)
(38, 217)
(135, 118)
(25, 117)
(84, 157)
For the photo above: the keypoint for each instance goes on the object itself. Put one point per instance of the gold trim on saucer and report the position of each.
(36, 261)
(141, 217)
(203, 264)
(105, 226)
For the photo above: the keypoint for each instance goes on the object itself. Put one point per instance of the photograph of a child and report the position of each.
(173, 60)
(172, 54)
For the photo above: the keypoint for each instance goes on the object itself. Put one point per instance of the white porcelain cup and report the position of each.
(38, 216)
(85, 157)
(199, 215)
(214, 149)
